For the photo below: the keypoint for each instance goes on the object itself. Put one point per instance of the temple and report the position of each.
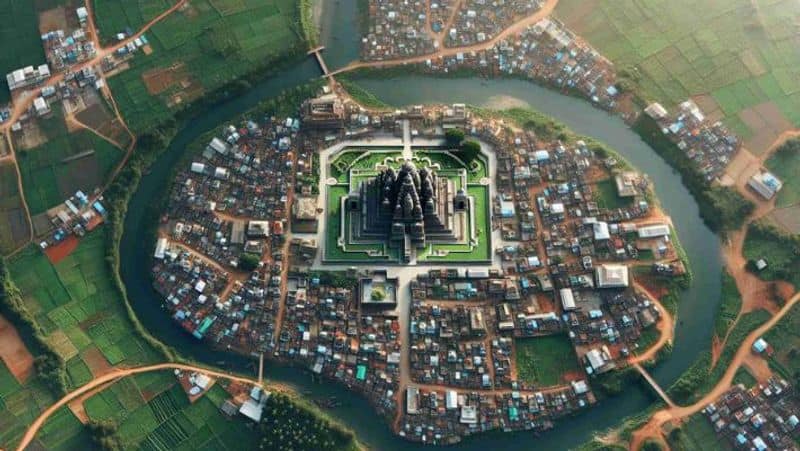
(409, 208)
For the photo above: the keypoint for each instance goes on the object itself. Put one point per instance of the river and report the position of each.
(697, 306)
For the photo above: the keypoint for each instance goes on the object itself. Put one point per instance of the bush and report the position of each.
(287, 426)
(469, 150)
(105, 435)
(454, 136)
(248, 262)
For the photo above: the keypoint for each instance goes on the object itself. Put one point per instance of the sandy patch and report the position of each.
(14, 353)
(787, 218)
(62, 345)
(743, 166)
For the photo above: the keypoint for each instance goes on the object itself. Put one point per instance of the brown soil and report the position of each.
(787, 218)
(96, 362)
(31, 136)
(14, 353)
(53, 19)
(767, 122)
(160, 79)
(60, 251)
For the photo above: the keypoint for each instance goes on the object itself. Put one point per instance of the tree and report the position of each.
(469, 150)
(454, 136)
(377, 294)
(248, 262)
(104, 434)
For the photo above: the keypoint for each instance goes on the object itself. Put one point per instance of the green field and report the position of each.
(744, 377)
(67, 162)
(697, 434)
(785, 340)
(78, 307)
(542, 361)
(785, 164)
(741, 52)
(729, 307)
(606, 196)
(20, 25)
(781, 252)
(13, 225)
(215, 41)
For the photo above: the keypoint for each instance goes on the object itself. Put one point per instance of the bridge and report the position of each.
(317, 51)
(661, 393)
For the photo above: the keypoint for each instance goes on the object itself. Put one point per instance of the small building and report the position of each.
(567, 299)
(258, 229)
(161, 248)
(611, 276)
(82, 14)
(469, 415)
(656, 111)
(760, 345)
(653, 231)
(41, 106)
(304, 215)
(627, 184)
(412, 400)
(765, 184)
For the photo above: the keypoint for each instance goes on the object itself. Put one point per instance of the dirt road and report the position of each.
(112, 376)
(653, 427)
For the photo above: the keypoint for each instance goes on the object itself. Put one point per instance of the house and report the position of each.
(41, 106)
(611, 276)
(412, 400)
(567, 299)
(765, 184)
(653, 231)
(656, 111)
(258, 229)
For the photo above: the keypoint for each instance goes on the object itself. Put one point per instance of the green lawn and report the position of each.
(697, 434)
(744, 377)
(217, 41)
(542, 361)
(741, 52)
(20, 25)
(606, 196)
(783, 259)
(729, 307)
(785, 164)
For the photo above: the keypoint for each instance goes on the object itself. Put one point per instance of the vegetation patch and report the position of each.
(784, 338)
(780, 251)
(785, 164)
(215, 44)
(729, 307)
(544, 361)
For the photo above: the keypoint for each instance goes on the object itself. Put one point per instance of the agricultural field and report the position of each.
(153, 413)
(20, 403)
(738, 58)
(13, 223)
(60, 162)
(79, 309)
(544, 361)
(196, 50)
(20, 25)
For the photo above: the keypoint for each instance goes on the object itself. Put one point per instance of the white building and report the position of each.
(612, 276)
(567, 299)
(653, 231)
(765, 184)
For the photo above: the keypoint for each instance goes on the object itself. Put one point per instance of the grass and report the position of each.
(737, 51)
(215, 41)
(20, 24)
(784, 338)
(50, 176)
(729, 307)
(785, 164)
(781, 252)
(543, 361)
(78, 306)
(744, 377)
(607, 197)
(13, 225)
(697, 434)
